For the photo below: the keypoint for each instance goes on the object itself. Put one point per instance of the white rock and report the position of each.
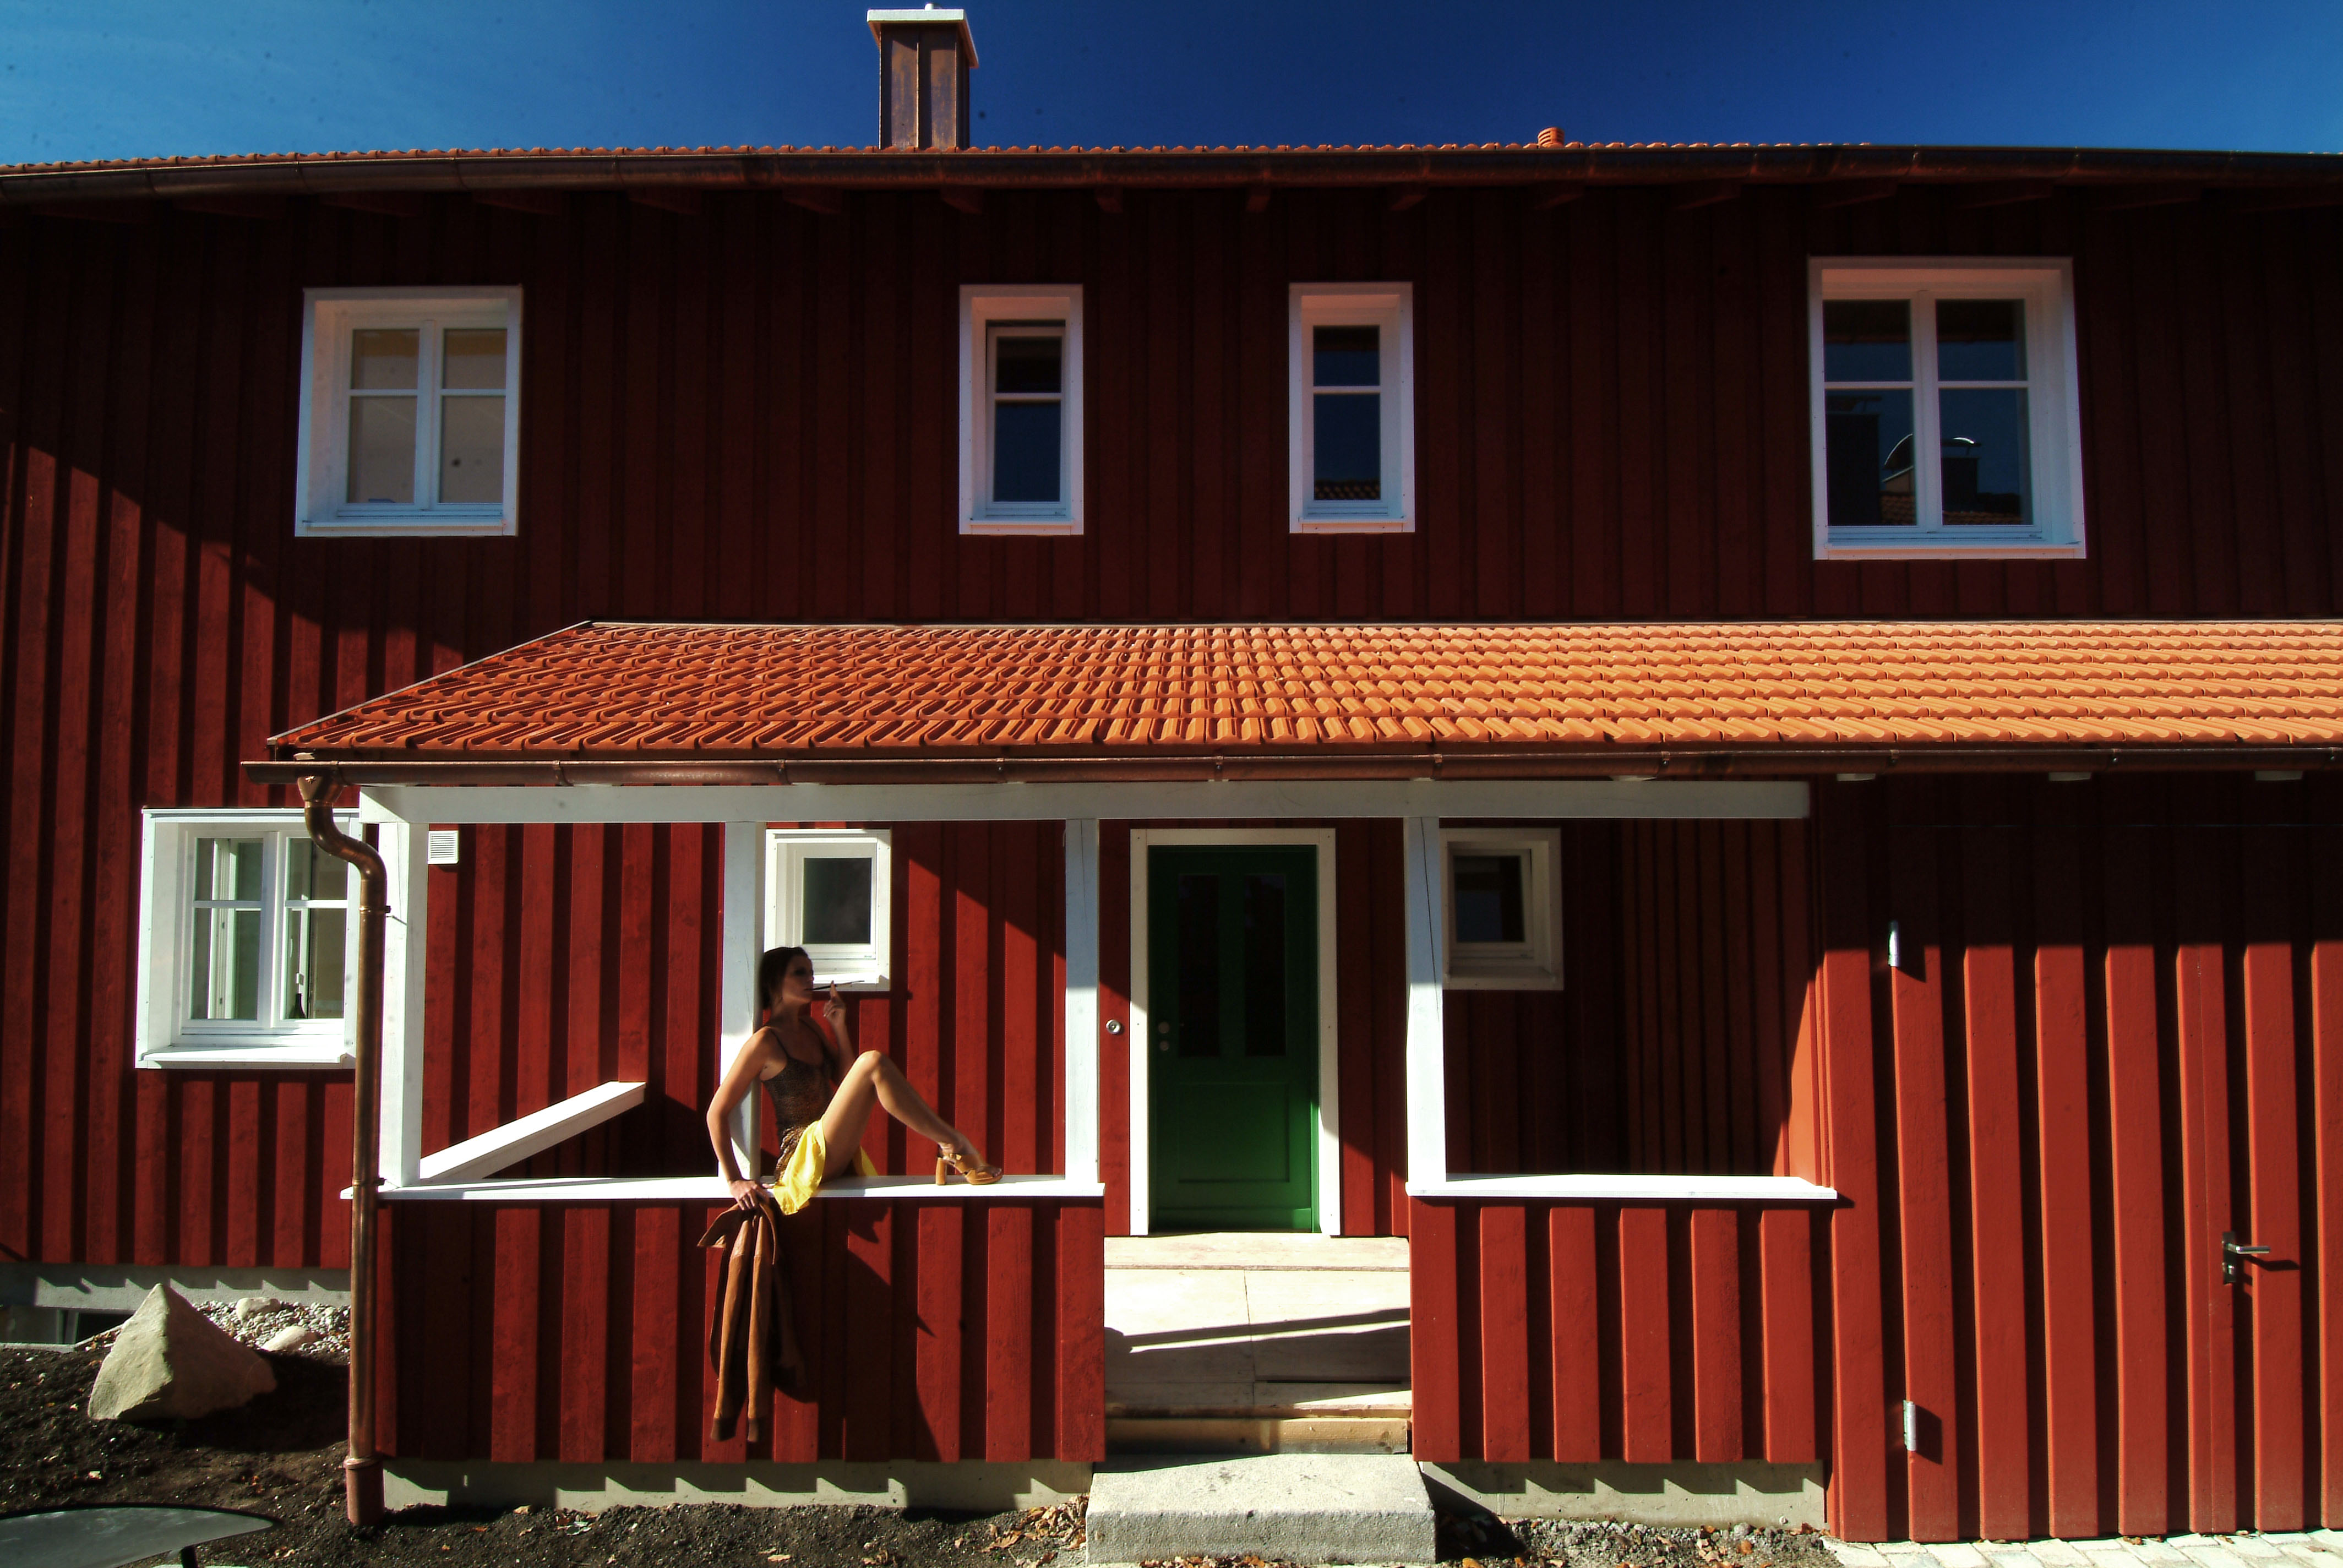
(169, 1360)
(290, 1339)
(252, 1307)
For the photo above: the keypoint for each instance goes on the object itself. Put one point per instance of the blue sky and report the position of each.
(98, 79)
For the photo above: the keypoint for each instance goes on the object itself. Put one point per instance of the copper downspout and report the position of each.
(361, 1468)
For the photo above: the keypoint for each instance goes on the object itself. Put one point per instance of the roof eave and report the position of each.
(881, 170)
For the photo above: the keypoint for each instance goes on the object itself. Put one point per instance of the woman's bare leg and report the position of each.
(874, 1079)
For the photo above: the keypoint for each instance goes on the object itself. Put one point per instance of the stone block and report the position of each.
(169, 1360)
(1294, 1507)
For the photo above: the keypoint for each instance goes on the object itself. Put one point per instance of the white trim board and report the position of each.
(1196, 800)
(539, 1130)
(711, 1190)
(1329, 1180)
(1698, 1189)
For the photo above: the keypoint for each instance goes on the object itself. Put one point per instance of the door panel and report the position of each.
(1233, 1087)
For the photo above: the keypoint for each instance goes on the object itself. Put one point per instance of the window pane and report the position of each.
(227, 968)
(1489, 898)
(472, 356)
(1348, 446)
(313, 955)
(1025, 440)
(1028, 364)
(1866, 340)
(472, 449)
(382, 449)
(311, 873)
(384, 358)
(1981, 339)
(1989, 459)
(227, 869)
(1265, 979)
(1348, 357)
(837, 901)
(1200, 965)
(1869, 437)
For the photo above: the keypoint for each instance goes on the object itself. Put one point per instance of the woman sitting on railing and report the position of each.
(797, 1057)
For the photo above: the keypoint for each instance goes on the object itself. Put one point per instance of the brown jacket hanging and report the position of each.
(753, 1343)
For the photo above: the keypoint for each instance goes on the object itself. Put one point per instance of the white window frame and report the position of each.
(1531, 964)
(984, 306)
(786, 852)
(328, 317)
(2053, 403)
(166, 1036)
(1391, 307)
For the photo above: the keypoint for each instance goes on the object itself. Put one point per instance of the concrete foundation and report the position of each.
(1297, 1507)
(1746, 1494)
(980, 1488)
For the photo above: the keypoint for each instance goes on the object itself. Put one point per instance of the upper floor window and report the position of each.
(411, 420)
(1021, 409)
(1945, 421)
(1351, 407)
(245, 942)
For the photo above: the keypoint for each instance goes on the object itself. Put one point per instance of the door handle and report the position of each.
(2234, 1254)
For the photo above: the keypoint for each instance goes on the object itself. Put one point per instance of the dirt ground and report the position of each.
(281, 1455)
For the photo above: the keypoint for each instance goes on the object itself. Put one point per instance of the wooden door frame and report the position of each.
(1326, 1184)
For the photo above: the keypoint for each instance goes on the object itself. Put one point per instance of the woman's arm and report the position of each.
(747, 1068)
(840, 1043)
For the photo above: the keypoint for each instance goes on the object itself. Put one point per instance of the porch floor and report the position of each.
(1247, 1341)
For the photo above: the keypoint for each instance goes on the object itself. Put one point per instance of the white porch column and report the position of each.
(1081, 1108)
(1427, 1083)
(742, 946)
(404, 960)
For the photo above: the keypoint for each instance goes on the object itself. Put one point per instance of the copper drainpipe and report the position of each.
(361, 1468)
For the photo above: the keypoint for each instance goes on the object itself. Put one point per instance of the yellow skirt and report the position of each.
(800, 1179)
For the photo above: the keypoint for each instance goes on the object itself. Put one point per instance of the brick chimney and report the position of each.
(924, 59)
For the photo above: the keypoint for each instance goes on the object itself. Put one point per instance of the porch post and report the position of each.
(1427, 1086)
(402, 846)
(1081, 1108)
(743, 945)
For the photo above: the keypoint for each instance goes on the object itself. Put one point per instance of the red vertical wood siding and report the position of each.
(521, 1332)
(1624, 1325)
(2101, 1046)
(743, 414)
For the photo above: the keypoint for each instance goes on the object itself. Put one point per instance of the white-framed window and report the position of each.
(1946, 416)
(1021, 409)
(1351, 407)
(1504, 907)
(247, 937)
(410, 417)
(826, 891)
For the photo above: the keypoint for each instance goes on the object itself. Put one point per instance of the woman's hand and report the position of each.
(744, 1193)
(833, 1010)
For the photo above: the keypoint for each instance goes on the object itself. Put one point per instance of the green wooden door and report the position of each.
(1232, 1006)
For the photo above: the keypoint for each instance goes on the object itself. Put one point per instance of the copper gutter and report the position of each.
(361, 1467)
(1656, 762)
(783, 168)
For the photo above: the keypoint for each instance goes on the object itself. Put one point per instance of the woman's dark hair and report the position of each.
(769, 971)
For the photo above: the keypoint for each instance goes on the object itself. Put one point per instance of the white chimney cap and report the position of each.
(926, 15)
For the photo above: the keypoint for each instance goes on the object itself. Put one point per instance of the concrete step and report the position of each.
(1235, 1434)
(1298, 1507)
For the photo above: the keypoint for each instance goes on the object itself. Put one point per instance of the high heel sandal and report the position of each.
(978, 1175)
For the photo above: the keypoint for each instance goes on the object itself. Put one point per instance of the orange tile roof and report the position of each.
(638, 692)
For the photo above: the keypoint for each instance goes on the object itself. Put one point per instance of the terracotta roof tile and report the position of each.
(636, 691)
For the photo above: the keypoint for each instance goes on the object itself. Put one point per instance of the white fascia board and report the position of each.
(1198, 799)
(539, 1130)
(1615, 1189)
(710, 1189)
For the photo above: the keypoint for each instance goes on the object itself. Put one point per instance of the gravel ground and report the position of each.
(281, 1455)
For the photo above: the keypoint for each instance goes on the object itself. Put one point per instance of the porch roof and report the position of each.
(740, 703)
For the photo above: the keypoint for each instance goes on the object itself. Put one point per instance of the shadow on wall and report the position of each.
(1681, 1041)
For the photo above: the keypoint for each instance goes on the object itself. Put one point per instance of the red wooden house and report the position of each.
(1738, 742)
